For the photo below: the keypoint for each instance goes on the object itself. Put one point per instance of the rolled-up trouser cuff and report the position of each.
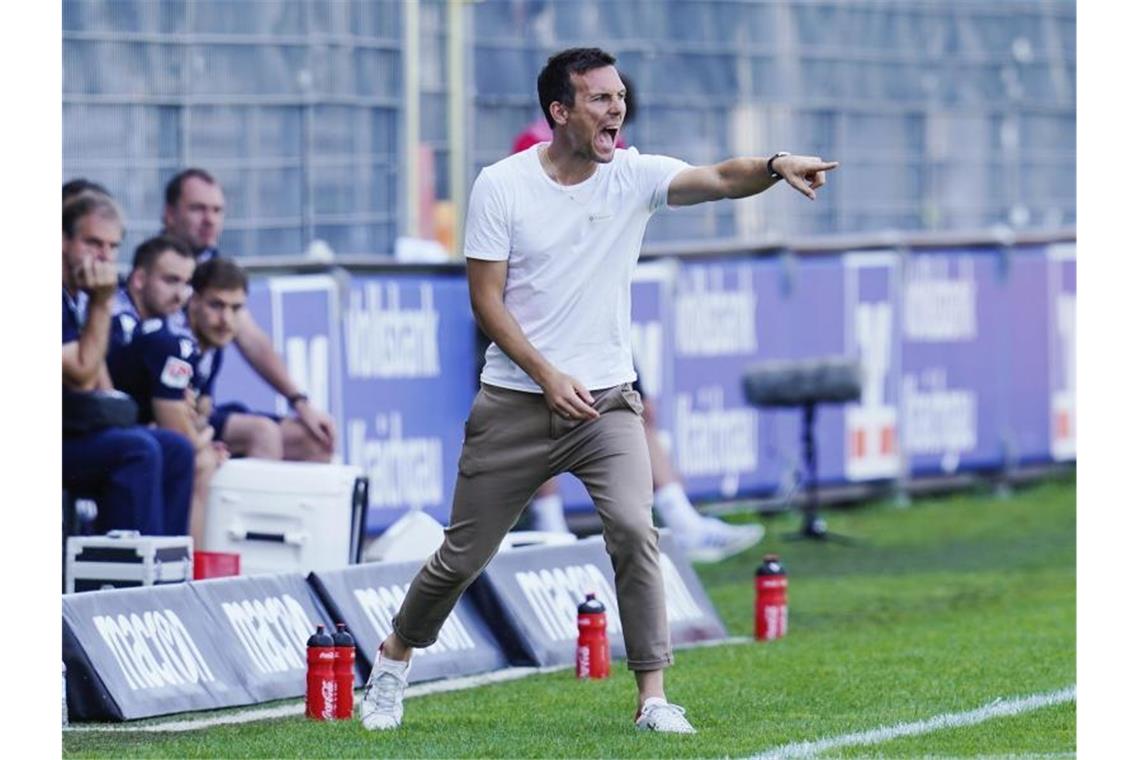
(408, 641)
(659, 663)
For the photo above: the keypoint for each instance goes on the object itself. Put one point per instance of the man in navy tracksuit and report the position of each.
(154, 360)
(141, 478)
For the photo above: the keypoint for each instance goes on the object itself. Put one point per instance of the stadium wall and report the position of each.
(966, 342)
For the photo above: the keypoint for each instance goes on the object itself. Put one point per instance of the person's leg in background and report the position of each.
(246, 433)
(704, 538)
(299, 445)
(178, 481)
(546, 509)
(122, 468)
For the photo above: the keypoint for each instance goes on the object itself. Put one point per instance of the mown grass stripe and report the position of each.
(998, 709)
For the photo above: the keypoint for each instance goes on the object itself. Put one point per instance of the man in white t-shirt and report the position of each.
(553, 236)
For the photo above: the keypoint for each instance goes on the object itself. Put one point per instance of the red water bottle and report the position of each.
(344, 670)
(320, 687)
(771, 599)
(593, 660)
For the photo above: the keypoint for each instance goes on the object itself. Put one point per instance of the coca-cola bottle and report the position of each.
(593, 660)
(344, 670)
(771, 599)
(320, 685)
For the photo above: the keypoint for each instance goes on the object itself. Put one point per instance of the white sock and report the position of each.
(387, 663)
(547, 511)
(675, 509)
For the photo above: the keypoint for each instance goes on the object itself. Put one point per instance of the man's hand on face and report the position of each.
(99, 279)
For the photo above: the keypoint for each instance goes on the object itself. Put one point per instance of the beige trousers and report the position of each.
(513, 444)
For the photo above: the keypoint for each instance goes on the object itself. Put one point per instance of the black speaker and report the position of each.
(832, 379)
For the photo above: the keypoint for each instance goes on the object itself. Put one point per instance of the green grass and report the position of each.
(950, 604)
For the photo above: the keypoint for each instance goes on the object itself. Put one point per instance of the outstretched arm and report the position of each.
(742, 177)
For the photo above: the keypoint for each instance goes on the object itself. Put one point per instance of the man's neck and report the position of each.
(562, 165)
(203, 346)
(140, 307)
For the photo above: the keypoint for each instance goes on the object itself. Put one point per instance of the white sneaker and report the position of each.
(715, 540)
(658, 715)
(382, 707)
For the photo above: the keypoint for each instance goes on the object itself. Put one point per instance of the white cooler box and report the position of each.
(286, 517)
(123, 558)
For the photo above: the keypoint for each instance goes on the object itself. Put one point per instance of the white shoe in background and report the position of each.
(715, 540)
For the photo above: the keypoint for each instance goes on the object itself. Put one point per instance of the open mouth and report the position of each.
(608, 137)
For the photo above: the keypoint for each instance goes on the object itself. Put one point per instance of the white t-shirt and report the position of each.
(571, 252)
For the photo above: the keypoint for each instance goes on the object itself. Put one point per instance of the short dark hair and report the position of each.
(74, 187)
(554, 80)
(174, 186)
(630, 97)
(85, 204)
(149, 250)
(219, 273)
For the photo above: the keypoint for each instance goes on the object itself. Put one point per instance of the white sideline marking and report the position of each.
(415, 690)
(999, 708)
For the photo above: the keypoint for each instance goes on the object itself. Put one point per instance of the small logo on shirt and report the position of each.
(127, 322)
(205, 365)
(151, 325)
(176, 373)
(186, 347)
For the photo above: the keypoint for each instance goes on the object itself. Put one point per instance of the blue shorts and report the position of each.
(222, 412)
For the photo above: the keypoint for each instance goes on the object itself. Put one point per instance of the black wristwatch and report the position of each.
(295, 399)
(772, 172)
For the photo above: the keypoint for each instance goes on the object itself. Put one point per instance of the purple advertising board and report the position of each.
(1062, 336)
(407, 380)
(391, 357)
(870, 435)
(967, 355)
(952, 386)
(1025, 357)
(727, 315)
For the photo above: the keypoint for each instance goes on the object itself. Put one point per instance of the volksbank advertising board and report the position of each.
(967, 356)
(392, 358)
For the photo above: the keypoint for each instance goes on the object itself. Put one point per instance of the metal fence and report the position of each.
(294, 106)
(946, 115)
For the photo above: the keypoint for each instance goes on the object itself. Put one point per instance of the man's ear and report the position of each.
(559, 112)
(167, 216)
(135, 281)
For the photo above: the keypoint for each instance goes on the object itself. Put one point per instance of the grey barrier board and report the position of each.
(138, 652)
(265, 622)
(367, 596)
(533, 594)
